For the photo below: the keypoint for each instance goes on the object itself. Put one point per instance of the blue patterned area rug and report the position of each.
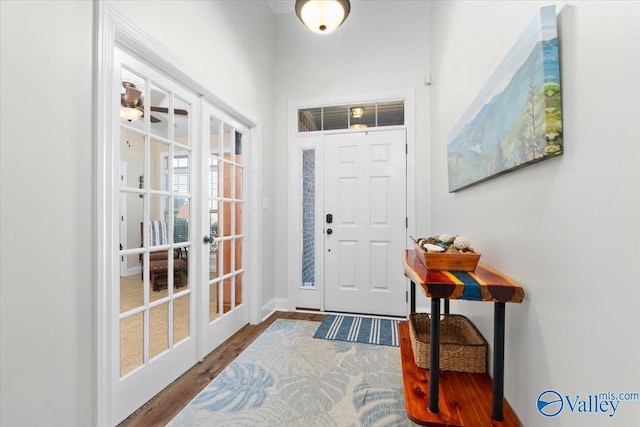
(367, 330)
(288, 378)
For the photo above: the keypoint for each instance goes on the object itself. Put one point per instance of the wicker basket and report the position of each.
(462, 346)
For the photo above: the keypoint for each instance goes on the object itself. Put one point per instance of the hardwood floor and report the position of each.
(170, 401)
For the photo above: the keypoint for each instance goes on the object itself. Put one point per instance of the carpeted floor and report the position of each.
(288, 378)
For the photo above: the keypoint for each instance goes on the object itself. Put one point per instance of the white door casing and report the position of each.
(365, 193)
(300, 296)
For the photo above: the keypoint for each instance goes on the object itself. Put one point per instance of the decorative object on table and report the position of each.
(462, 346)
(446, 252)
(516, 119)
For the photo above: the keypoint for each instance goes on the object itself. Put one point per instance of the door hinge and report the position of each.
(406, 148)
(406, 297)
(406, 222)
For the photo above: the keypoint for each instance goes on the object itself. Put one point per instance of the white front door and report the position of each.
(365, 222)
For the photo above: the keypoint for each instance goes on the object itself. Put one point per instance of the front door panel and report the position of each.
(365, 194)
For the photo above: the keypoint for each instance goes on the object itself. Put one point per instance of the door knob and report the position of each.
(207, 239)
(329, 231)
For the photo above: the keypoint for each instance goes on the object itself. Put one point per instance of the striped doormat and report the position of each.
(367, 330)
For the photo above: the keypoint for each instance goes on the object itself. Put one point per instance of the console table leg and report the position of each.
(434, 356)
(498, 360)
(413, 297)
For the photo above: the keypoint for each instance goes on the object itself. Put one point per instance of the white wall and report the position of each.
(46, 220)
(566, 229)
(382, 46)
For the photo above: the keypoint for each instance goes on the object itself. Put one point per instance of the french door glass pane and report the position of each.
(182, 173)
(131, 343)
(181, 222)
(132, 159)
(160, 120)
(239, 149)
(158, 165)
(158, 329)
(131, 101)
(226, 256)
(238, 183)
(131, 292)
(132, 209)
(214, 309)
(238, 290)
(158, 228)
(228, 179)
(228, 142)
(227, 297)
(238, 218)
(227, 224)
(182, 116)
(238, 254)
(181, 318)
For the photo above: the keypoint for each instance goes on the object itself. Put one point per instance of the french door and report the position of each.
(180, 215)
(153, 318)
(365, 222)
(225, 309)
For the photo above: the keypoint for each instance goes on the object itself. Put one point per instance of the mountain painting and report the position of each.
(516, 119)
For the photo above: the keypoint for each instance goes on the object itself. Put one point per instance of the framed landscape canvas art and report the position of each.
(516, 119)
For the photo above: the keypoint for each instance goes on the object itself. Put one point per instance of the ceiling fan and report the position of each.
(132, 107)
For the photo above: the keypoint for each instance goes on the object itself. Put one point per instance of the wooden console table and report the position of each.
(483, 284)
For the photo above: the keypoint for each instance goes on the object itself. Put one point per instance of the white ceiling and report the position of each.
(282, 6)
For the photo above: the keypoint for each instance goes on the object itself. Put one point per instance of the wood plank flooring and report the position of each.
(170, 401)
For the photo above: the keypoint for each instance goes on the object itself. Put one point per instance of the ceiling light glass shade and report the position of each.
(131, 114)
(322, 16)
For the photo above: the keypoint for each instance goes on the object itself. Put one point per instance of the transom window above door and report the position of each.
(354, 116)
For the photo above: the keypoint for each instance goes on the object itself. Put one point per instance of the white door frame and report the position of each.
(297, 141)
(111, 30)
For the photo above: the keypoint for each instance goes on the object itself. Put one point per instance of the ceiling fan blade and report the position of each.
(166, 110)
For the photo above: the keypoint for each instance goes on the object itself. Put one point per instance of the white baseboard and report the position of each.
(133, 270)
(276, 304)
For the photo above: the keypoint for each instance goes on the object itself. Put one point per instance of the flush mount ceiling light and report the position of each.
(322, 16)
(357, 112)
